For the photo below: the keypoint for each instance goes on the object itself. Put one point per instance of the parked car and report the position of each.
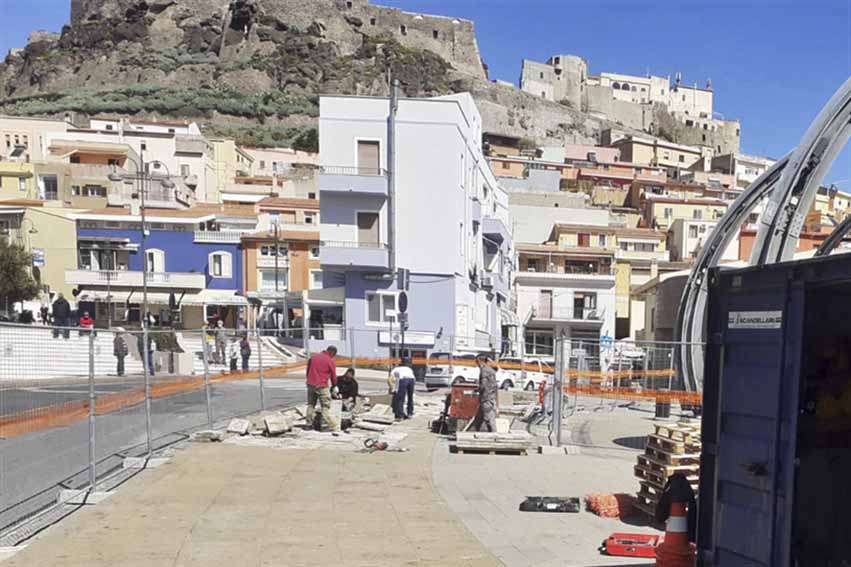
(525, 373)
(445, 370)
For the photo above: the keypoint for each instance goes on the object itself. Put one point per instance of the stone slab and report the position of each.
(239, 426)
(277, 424)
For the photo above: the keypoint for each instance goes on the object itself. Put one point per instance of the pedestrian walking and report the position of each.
(45, 314)
(221, 342)
(405, 381)
(120, 350)
(61, 317)
(321, 370)
(486, 416)
(245, 351)
(233, 353)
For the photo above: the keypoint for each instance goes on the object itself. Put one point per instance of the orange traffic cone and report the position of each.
(676, 551)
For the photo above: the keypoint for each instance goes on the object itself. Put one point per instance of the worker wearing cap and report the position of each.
(321, 370)
(487, 396)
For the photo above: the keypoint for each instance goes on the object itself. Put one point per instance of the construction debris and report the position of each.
(277, 424)
(568, 504)
(379, 413)
(366, 426)
(208, 436)
(517, 443)
(610, 505)
(239, 426)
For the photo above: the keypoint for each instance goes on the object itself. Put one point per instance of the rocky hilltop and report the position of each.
(253, 69)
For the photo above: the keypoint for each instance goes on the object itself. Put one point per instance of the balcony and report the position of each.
(125, 278)
(495, 282)
(565, 274)
(269, 261)
(217, 236)
(373, 256)
(593, 317)
(654, 255)
(496, 230)
(353, 180)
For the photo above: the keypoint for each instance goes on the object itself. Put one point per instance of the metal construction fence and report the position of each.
(76, 402)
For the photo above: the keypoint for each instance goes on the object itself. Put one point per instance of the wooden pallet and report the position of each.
(486, 451)
(646, 509)
(668, 458)
(661, 478)
(678, 432)
(671, 446)
(651, 463)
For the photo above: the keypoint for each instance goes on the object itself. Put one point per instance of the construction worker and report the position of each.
(487, 396)
(320, 370)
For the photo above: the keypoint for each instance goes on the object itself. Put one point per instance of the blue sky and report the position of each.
(773, 63)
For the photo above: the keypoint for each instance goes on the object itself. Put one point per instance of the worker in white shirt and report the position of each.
(404, 381)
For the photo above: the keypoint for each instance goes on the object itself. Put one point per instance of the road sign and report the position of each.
(403, 302)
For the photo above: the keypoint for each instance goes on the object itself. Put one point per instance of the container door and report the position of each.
(747, 471)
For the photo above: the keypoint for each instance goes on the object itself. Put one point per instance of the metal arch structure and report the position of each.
(790, 186)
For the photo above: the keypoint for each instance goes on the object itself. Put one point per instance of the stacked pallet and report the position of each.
(672, 448)
(493, 443)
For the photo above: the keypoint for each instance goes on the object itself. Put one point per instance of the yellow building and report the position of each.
(17, 180)
(48, 234)
(661, 212)
(646, 151)
(229, 161)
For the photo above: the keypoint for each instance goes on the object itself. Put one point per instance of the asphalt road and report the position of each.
(32, 465)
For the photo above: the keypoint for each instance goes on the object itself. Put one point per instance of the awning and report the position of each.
(509, 318)
(122, 296)
(213, 297)
(328, 296)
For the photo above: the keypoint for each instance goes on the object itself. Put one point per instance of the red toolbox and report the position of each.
(631, 545)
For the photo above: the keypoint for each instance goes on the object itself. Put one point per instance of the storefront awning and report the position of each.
(509, 318)
(214, 297)
(328, 296)
(123, 296)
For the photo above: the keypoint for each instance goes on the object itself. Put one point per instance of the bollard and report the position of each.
(260, 373)
(207, 391)
(92, 458)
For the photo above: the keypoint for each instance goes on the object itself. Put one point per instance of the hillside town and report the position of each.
(304, 283)
(501, 242)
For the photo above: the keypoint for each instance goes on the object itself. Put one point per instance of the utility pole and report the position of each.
(146, 358)
(391, 175)
(277, 251)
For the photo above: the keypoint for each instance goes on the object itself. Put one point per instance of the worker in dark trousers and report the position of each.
(486, 416)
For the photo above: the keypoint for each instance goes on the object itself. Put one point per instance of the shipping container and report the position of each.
(775, 483)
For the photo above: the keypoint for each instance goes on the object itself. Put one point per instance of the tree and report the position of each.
(307, 141)
(16, 282)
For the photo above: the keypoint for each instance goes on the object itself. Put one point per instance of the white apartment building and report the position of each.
(179, 148)
(24, 139)
(425, 201)
(745, 168)
(686, 238)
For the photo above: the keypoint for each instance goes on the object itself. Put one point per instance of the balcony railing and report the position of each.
(570, 270)
(353, 170)
(556, 313)
(218, 236)
(134, 278)
(353, 244)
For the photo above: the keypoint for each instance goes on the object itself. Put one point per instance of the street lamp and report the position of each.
(142, 176)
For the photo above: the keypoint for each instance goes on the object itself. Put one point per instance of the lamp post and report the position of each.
(142, 176)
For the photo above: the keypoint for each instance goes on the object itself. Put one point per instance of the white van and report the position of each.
(444, 370)
(523, 373)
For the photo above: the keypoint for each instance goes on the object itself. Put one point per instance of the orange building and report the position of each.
(297, 255)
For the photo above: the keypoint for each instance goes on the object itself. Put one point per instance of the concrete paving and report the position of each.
(486, 491)
(255, 504)
(224, 504)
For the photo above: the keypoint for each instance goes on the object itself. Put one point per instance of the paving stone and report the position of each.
(207, 436)
(277, 424)
(239, 426)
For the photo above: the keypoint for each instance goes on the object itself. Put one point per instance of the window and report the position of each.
(314, 252)
(669, 212)
(171, 130)
(682, 158)
(315, 279)
(144, 146)
(155, 261)
(184, 170)
(269, 251)
(112, 162)
(435, 34)
(270, 281)
(692, 231)
(220, 264)
(538, 343)
(381, 307)
(262, 164)
(601, 240)
(369, 157)
(75, 190)
(309, 218)
(349, 4)
(22, 184)
(403, 29)
(51, 188)
(372, 21)
(644, 247)
(94, 191)
(624, 246)
(506, 165)
(311, 195)
(542, 74)
(697, 214)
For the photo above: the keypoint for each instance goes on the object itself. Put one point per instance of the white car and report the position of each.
(444, 370)
(528, 373)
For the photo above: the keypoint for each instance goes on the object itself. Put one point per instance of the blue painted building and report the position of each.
(195, 269)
